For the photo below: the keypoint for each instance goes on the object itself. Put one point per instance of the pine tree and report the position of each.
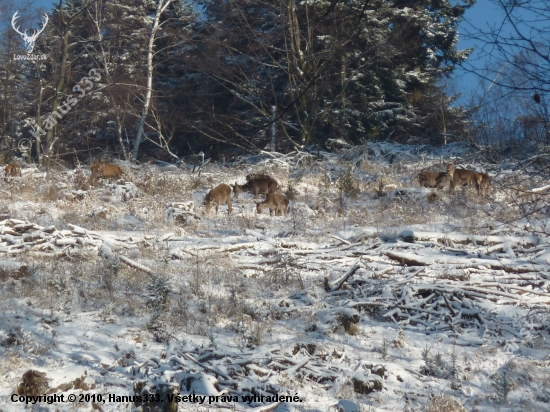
(341, 69)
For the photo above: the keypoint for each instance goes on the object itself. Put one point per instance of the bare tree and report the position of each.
(520, 43)
(161, 7)
(66, 23)
(512, 111)
(97, 17)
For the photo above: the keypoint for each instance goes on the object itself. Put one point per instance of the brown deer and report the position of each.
(12, 171)
(463, 177)
(218, 196)
(104, 171)
(437, 180)
(257, 184)
(254, 176)
(275, 202)
(483, 183)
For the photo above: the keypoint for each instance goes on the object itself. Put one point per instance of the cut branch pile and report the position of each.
(433, 282)
(429, 283)
(19, 237)
(245, 374)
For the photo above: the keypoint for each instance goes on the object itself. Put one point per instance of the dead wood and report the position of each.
(343, 279)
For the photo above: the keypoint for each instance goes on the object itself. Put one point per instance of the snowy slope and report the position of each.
(373, 301)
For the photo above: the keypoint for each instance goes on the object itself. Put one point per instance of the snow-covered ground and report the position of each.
(372, 295)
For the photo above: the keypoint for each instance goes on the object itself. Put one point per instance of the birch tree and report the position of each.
(98, 17)
(161, 8)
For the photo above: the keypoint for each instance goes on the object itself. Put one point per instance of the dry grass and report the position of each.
(445, 403)
(210, 291)
(50, 202)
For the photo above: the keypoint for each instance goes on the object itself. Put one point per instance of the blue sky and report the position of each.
(482, 15)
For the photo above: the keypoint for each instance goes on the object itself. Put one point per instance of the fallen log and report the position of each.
(135, 265)
(343, 279)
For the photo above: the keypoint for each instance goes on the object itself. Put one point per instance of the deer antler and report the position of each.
(37, 32)
(15, 16)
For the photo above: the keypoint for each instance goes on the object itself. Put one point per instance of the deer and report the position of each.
(463, 177)
(275, 202)
(483, 183)
(254, 176)
(11, 170)
(437, 180)
(104, 171)
(29, 40)
(218, 196)
(257, 184)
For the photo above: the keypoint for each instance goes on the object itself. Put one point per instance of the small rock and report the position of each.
(183, 216)
(301, 209)
(186, 206)
(34, 383)
(367, 384)
(160, 391)
(347, 406)
(125, 191)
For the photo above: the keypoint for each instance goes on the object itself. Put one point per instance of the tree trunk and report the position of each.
(37, 139)
(161, 6)
(443, 119)
(114, 105)
(50, 139)
(66, 26)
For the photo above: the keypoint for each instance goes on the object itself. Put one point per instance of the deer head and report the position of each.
(29, 40)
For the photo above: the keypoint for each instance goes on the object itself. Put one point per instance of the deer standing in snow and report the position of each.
(104, 171)
(275, 202)
(218, 196)
(11, 170)
(483, 183)
(437, 180)
(463, 177)
(257, 184)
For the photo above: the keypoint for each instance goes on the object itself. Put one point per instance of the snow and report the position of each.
(375, 302)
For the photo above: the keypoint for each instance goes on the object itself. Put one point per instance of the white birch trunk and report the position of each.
(98, 21)
(161, 6)
(273, 142)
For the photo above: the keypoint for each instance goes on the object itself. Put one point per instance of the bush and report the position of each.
(445, 403)
(346, 183)
(291, 192)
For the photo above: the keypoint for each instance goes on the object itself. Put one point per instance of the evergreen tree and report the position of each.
(333, 69)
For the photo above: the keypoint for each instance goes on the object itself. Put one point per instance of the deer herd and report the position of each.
(277, 203)
(256, 184)
(455, 177)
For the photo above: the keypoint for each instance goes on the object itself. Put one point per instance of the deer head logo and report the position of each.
(29, 40)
